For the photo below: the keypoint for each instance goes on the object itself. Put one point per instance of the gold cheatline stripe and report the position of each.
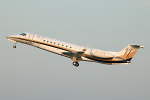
(67, 49)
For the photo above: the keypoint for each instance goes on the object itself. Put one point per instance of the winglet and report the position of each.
(85, 48)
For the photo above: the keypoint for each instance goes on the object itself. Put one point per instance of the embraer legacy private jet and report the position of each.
(76, 53)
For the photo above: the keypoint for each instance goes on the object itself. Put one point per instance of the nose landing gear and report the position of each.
(75, 64)
(15, 45)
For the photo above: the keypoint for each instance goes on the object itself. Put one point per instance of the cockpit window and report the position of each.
(23, 34)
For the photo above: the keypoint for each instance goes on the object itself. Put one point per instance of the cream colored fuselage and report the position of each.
(74, 52)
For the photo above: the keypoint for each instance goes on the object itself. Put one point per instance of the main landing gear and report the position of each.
(75, 64)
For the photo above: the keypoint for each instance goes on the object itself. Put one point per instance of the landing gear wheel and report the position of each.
(14, 46)
(75, 64)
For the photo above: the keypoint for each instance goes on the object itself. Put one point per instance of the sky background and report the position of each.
(28, 73)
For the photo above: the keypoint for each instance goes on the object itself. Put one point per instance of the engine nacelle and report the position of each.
(101, 54)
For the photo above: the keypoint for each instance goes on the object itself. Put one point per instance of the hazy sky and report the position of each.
(28, 73)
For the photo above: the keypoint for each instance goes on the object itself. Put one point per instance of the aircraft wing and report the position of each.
(71, 54)
(75, 56)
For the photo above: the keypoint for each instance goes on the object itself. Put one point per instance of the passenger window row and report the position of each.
(55, 43)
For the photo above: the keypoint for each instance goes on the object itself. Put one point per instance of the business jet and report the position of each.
(76, 53)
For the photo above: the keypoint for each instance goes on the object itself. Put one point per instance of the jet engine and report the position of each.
(101, 54)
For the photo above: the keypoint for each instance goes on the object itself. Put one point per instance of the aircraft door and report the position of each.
(30, 39)
(40, 38)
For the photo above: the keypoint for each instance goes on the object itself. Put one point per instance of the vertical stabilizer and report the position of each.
(129, 51)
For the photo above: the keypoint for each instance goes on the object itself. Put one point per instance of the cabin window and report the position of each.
(66, 46)
(54, 43)
(50, 42)
(70, 47)
(58, 43)
(62, 45)
(47, 41)
(43, 40)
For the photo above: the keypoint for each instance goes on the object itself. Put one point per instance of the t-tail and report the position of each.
(128, 52)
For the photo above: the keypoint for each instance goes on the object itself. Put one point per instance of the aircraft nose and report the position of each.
(12, 36)
(8, 37)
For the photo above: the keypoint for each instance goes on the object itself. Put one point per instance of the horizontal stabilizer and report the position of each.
(136, 46)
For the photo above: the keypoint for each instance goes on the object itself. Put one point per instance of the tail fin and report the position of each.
(129, 51)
